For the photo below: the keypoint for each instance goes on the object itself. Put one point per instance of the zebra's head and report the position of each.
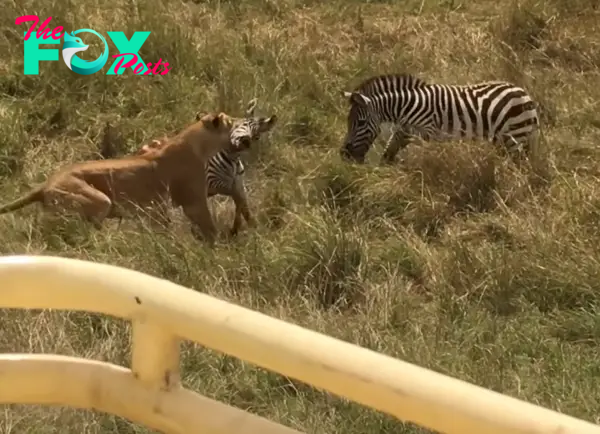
(247, 129)
(250, 128)
(363, 127)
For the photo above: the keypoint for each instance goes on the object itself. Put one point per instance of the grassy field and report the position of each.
(454, 259)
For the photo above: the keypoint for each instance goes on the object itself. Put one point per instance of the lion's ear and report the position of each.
(216, 122)
(213, 121)
(209, 120)
(226, 120)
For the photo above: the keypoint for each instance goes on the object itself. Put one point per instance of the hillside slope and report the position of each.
(454, 260)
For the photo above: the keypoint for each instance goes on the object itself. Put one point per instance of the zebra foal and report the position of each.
(225, 171)
(497, 111)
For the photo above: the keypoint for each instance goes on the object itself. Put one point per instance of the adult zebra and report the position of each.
(225, 170)
(496, 111)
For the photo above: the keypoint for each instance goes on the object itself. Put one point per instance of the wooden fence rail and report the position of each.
(163, 313)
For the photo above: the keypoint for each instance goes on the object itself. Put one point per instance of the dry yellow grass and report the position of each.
(454, 260)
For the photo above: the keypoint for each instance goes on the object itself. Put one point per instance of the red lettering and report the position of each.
(138, 69)
(155, 69)
(24, 19)
(57, 32)
(165, 69)
(44, 34)
(148, 70)
(130, 63)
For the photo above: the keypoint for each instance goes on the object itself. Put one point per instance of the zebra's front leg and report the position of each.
(397, 142)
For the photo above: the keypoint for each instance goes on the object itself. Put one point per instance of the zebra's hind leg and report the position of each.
(537, 153)
(397, 141)
(516, 150)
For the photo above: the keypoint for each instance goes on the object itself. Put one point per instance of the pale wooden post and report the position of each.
(155, 355)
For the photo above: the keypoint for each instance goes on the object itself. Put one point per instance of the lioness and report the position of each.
(99, 189)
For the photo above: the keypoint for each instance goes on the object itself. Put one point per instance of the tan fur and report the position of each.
(238, 194)
(154, 145)
(95, 189)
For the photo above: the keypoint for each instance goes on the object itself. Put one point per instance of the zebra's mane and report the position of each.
(386, 82)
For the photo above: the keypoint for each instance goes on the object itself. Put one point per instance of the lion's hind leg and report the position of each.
(79, 198)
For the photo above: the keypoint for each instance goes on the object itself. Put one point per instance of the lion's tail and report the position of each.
(35, 195)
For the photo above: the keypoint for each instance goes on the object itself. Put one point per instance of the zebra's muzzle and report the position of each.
(347, 156)
(242, 143)
(344, 153)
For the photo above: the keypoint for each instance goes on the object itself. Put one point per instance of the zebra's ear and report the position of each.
(266, 124)
(357, 98)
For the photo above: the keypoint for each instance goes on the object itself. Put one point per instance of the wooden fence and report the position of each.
(163, 313)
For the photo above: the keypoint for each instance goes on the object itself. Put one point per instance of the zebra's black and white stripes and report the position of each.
(496, 111)
(225, 170)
